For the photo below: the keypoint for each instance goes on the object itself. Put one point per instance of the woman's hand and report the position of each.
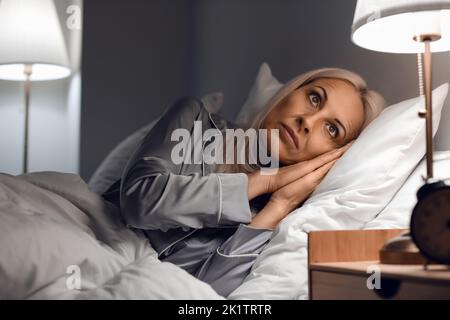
(259, 184)
(287, 197)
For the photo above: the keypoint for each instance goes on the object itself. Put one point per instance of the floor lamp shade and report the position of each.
(30, 34)
(390, 25)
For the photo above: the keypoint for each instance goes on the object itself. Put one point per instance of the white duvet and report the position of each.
(59, 240)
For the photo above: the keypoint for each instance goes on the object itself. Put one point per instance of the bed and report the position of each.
(60, 240)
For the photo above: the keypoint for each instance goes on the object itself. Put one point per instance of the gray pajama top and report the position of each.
(192, 216)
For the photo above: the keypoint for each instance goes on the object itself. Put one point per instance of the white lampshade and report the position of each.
(390, 25)
(30, 33)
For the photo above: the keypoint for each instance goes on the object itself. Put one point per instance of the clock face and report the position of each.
(430, 225)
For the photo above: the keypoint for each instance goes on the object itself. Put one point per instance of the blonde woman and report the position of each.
(214, 219)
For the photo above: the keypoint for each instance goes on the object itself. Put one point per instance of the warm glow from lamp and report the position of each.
(390, 26)
(41, 72)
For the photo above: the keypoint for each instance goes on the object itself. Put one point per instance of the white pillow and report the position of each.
(110, 170)
(397, 213)
(389, 148)
(355, 190)
(265, 86)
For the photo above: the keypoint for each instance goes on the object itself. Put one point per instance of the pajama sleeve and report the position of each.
(155, 196)
(227, 268)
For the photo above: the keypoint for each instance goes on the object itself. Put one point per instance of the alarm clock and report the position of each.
(430, 221)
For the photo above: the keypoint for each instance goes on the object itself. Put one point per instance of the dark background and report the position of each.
(141, 55)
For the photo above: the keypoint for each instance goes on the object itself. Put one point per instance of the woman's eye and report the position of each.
(315, 99)
(334, 130)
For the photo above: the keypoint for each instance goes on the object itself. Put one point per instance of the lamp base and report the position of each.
(401, 250)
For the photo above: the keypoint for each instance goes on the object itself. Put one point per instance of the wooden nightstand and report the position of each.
(341, 262)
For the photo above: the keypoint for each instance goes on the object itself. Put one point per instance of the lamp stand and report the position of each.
(428, 112)
(27, 71)
(429, 109)
(402, 249)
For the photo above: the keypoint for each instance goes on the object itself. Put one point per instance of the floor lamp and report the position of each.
(32, 49)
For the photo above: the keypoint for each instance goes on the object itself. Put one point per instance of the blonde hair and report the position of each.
(373, 104)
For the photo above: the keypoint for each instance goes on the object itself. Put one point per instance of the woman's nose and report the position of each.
(304, 124)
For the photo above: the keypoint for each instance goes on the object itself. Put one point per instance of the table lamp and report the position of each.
(32, 48)
(409, 26)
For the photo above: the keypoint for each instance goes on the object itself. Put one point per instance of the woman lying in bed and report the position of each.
(214, 219)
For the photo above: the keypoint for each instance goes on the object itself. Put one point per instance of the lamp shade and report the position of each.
(390, 25)
(30, 33)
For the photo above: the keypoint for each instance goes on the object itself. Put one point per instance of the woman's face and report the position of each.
(322, 115)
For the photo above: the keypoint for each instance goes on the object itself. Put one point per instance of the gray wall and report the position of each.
(141, 55)
(136, 58)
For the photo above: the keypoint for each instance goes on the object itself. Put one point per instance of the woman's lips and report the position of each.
(289, 135)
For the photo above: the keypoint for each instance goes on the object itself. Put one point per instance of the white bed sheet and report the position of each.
(397, 213)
